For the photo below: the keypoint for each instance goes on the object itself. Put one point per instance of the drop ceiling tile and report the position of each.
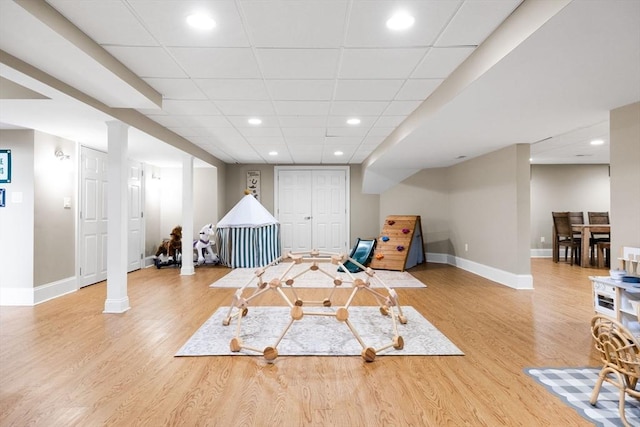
(266, 140)
(374, 140)
(440, 62)
(288, 24)
(242, 122)
(228, 135)
(260, 132)
(298, 63)
(299, 90)
(98, 19)
(379, 63)
(233, 89)
(190, 131)
(264, 150)
(176, 88)
(305, 148)
(475, 20)
(367, 23)
(389, 121)
(359, 157)
(367, 90)
(401, 108)
(188, 107)
(306, 142)
(358, 108)
(246, 108)
(197, 120)
(302, 108)
(207, 63)
(381, 131)
(147, 61)
(329, 149)
(339, 141)
(306, 158)
(293, 133)
(341, 121)
(281, 158)
(295, 121)
(166, 20)
(417, 89)
(344, 131)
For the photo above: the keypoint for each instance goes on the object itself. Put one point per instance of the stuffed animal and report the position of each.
(203, 247)
(170, 248)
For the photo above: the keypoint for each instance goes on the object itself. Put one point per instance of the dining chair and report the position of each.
(620, 355)
(599, 218)
(564, 236)
(576, 218)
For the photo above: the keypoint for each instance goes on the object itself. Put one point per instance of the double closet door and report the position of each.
(93, 219)
(312, 207)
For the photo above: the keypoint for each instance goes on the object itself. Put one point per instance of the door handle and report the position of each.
(307, 217)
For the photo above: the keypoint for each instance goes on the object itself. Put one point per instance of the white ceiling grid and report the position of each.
(303, 67)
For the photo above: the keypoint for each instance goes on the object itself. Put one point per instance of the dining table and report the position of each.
(586, 230)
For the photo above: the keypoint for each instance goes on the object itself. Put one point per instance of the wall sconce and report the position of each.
(61, 156)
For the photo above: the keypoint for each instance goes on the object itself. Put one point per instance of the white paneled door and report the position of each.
(312, 207)
(135, 253)
(93, 217)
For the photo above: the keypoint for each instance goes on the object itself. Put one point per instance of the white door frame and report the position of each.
(347, 184)
(79, 225)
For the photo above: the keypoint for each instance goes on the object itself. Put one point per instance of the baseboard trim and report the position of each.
(541, 253)
(39, 294)
(55, 289)
(515, 281)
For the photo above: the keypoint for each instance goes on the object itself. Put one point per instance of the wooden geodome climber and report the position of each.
(388, 303)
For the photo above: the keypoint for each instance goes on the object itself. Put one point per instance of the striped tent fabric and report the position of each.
(248, 247)
(248, 236)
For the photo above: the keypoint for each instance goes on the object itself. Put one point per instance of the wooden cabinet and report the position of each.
(617, 300)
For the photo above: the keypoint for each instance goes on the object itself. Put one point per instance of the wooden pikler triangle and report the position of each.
(400, 245)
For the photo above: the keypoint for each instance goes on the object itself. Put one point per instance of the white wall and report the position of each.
(561, 188)
(17, 221)
(625, 178)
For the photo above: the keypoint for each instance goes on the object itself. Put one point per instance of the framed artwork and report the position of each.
(5, 165)
(253, 183)
(2, 198)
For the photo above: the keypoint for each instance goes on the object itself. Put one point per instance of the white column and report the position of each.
(117, 298)
(187, 216)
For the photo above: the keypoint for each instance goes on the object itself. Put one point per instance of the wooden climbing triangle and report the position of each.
(400, 245)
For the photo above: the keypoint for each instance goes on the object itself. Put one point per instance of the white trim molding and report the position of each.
(39, 294)
(515, 281)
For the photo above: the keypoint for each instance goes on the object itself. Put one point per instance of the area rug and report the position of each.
(318, 335)
(238, 277)
(575, 385)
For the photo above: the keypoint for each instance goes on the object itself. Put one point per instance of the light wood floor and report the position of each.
(64, 363)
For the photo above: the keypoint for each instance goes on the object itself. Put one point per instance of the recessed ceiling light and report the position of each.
(597, 142)
(201, 21)
(273, 153)
(338, 153)
(400, 21)
(254, 121)
(353, 121)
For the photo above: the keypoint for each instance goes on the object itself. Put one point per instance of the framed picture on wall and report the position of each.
(253, 183)
(2, 198)
(5, 165)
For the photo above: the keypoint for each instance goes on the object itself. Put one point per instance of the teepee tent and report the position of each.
(248, 235)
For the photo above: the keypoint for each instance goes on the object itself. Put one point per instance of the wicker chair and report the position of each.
(620, 353)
